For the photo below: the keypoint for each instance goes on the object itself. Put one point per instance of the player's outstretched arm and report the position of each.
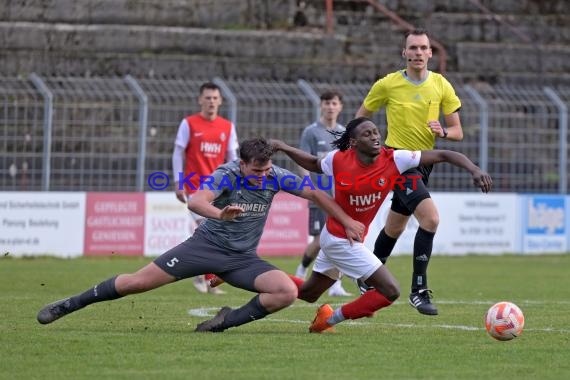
(481, 179)
(302, 158)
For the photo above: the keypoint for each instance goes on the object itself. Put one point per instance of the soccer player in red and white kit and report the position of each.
(204, 141)
(364, 172)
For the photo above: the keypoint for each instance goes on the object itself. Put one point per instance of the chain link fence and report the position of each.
(22, 110)
(109, 134)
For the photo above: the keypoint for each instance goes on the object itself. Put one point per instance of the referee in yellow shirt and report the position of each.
(413, 98)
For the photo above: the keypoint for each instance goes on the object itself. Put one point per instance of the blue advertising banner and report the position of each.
(545, 223)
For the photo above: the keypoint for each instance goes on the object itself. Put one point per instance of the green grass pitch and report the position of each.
(150, 336)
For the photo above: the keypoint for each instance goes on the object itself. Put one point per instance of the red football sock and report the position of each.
(299, 282)
(209, 276)
(365, 305)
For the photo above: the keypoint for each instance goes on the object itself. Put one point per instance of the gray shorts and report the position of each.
(197, 256)
(317, 219)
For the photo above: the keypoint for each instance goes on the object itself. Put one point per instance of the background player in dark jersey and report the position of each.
(413, 98)
(236, 206)
(364, 172)
(316, 139)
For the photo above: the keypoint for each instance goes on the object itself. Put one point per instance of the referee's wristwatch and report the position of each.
(444, 133)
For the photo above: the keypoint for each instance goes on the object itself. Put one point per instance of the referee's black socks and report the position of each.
(423, 245)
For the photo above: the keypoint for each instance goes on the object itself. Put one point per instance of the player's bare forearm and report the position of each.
(211, 212)
(303, 172)
(302, 158)
(454, 129)
(201, 204)
(436, 156)
(454, 133)
(363, 112)
(180, 193)
(480, 178)
(204, 209)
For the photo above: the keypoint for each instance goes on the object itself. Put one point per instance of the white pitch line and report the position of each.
(301, 304)
(203, 311)
(210, 312)
(364, 323)
(522, 302)
(412, 325)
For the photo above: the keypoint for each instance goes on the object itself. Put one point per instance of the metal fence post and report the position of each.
(143, 124)
(563, 131)
(312, 95)
(48, 126)
(229, 95)
(484, 126)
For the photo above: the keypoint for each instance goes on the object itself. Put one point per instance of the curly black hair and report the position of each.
(342, 143)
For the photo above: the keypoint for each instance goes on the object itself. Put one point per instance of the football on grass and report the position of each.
(504, 321)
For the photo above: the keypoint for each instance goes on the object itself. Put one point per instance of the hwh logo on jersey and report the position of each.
(365, 200)
(210, 147)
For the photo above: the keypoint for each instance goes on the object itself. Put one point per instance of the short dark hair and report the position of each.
(416, 32)
(209, 86)
(255, 150)
(331, 94)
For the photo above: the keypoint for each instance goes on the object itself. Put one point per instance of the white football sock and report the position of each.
(337, 317)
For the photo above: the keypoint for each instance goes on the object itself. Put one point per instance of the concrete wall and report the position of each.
(197, 13)
(76, 49)
(256, 38)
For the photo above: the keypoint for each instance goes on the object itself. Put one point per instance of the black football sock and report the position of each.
(384, 245)
(249, 312)
(105, 291)
(306, 261)
(423, 245)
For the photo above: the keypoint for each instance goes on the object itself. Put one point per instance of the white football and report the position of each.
(504, 321)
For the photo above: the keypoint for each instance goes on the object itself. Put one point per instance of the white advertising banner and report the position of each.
(42, 223)
(54, 223)
(469, 223)
(167, 223)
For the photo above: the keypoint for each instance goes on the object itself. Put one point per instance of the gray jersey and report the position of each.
(231, 188)
(316, 140)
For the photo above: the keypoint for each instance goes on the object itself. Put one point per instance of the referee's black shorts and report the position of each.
(408, 196)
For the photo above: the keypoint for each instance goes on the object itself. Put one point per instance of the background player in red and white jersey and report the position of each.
(204, 141)
(364, 172)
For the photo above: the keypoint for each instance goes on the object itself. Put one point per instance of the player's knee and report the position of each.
(288, 295)
(395, 230)
(395, 225)
(429, 222)
(392, 291)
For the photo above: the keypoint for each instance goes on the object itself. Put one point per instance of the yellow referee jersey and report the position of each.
(409, 107)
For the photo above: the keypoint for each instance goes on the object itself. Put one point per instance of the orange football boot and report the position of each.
(320, 323)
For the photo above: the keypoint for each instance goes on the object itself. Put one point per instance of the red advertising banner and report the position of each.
(114, 224)
(286, 231)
